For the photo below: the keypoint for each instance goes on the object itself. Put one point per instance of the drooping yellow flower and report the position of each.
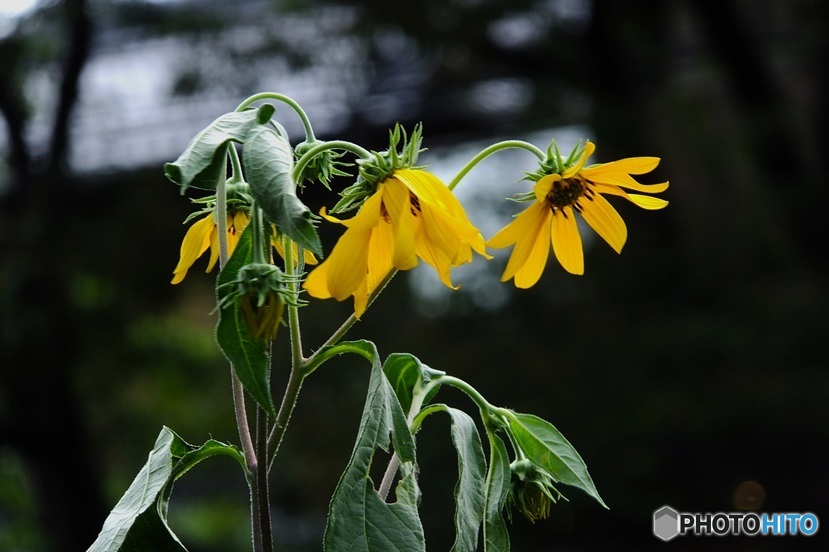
(203, 234)
(411, 215)
(552, 216)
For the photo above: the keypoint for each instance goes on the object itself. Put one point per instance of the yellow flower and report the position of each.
(411, 214)
(551, 217)
(204, 234)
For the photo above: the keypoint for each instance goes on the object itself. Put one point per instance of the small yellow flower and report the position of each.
(204, 234)
(411, 214)
(551, 217)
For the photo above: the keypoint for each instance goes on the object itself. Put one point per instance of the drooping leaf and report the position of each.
(471, 486)
(203, 162)
(248, 355)
(546, 447)
(268, 163)
(406, 373)
(359, 520)
(139, 521)
(496, 535)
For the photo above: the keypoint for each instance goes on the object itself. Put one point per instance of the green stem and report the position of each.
(263, 510)
(239, 408)
(258, 238)
(235, 163)
(306, 123)
(324, 146)
(507, 144)
(293, 310)
(313, 361)
(238, 391)
(298, 374)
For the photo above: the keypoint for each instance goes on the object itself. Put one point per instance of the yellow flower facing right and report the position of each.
(551, 218)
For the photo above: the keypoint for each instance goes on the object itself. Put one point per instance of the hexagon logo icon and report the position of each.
(666, 523)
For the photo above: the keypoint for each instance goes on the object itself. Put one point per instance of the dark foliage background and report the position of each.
(689, 371)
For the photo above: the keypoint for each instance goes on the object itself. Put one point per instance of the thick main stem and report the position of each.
(240, 411)
(263, 506)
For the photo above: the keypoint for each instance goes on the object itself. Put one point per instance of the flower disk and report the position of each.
(411, 215)
(551, 218)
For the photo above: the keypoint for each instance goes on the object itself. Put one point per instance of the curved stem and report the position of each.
(306, 123)
(234, 163)
(324, 146)
(507, 144)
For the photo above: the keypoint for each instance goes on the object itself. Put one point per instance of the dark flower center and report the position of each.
(568, 192)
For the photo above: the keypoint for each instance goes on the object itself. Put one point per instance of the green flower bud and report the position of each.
(531, 491)
(323, 167)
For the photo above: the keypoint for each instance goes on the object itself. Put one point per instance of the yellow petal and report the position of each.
(381, 251)
(648, 202)
(567, 241)
(536, 221)
(433, 256)
(214, 248)
(348, 263)
(428, 188)
(317, 282)
(589, 148)
(360, 300)
(624, 180)
(629, 165)
(195, 243)
(399, 208)
(368, 215)
(530, 272)
(544, 185)
(520, 225)
(603, 218)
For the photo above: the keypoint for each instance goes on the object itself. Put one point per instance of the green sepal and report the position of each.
(139, 521)
(407, 374)
(496, 535)
(268, 162)
(248, 355)
(359, 520)
(203, 162)
(547, 448)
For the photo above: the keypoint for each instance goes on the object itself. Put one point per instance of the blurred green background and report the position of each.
(689, 371)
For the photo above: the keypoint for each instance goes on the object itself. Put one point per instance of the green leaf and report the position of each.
(248, 355)
(470, 488)
(547, 448)
(406, 373)
(203, 161)
(139, 521)
(496, 535)
(268, 162)
(358, 519)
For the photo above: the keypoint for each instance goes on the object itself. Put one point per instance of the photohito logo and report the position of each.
(668, 523)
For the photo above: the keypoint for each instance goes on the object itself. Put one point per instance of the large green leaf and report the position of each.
(496, 535)
(546, 447)
(358, 519)
(203, 161)
(406, 373)
(139, 521)
(248, 355)
(268, 162)
(470, 488)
